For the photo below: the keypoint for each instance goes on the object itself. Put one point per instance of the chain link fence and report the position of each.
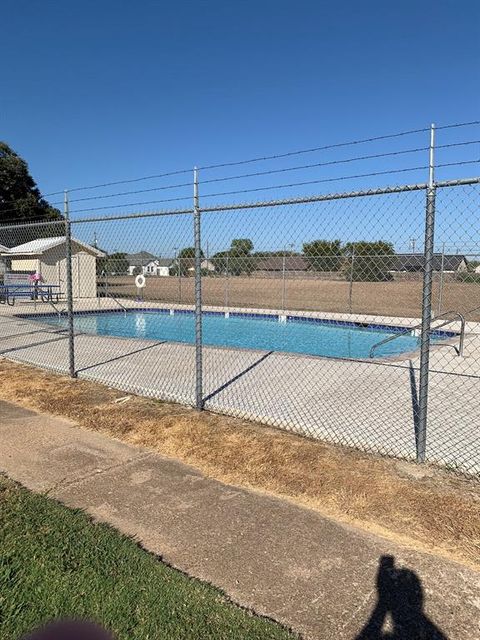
(352, 318)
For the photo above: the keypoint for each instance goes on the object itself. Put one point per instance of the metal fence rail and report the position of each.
(271, 311)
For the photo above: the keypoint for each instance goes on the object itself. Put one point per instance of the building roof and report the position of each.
(415, 262)
(275, 263)
(139, 259)
(40, 245)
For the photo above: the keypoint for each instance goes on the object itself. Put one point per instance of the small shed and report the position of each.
(47, 256)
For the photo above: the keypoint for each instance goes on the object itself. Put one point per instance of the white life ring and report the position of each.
(140, 281)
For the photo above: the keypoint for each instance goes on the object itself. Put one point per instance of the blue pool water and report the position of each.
(322, 338)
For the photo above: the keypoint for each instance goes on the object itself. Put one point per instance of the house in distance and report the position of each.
(147, 264)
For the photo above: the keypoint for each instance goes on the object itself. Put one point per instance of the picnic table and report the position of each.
(44, 292)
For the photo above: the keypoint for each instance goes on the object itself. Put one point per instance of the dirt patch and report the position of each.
(432, 510)
(394, 298)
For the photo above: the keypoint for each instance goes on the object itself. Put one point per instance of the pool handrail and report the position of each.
(125, 309)
(58, 311)
(458, 317)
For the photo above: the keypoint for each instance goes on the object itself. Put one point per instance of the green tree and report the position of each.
(237, 260)
(115, 263)
(20, 199)
(241, 246)
(220, 261)
(473, 264)
(324, 255)
(185, 262)
(369, 261)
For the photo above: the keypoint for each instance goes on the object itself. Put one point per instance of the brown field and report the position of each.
(396, 298)
(422, 507)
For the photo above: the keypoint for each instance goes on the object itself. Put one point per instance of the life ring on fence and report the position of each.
(140, 281)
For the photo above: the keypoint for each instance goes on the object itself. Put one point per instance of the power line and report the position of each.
(130, 204)
(248, 161)
(299, 184)
(258, 173)
(455, 164)
(457, 144)
(130, 180)
(317, 164)
(126, 193)
(376, 173)
(313, 149)
(271, 157)
(458, 124)
(252, 190)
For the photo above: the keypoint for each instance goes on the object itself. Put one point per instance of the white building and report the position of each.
(206, 265)
(158, 267)
(148, 264)
(47, 256)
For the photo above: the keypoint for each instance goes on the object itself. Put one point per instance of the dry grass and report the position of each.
(436, 511)
(398, 298)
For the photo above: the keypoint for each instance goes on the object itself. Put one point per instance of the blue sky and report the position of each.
(100, 91)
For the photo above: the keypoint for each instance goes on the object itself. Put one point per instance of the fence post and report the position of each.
(442, 282)
(227, 282)
(350, 292)
(179, 280)
(426, 306)
(198, 295)
(283, 281)
(68, 265)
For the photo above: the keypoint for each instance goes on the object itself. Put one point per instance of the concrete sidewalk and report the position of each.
(283, 561)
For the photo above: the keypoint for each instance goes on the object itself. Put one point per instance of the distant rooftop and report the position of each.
(415, 262)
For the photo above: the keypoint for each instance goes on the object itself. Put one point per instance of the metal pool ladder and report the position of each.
(457, 317)
(57, 310)
(119, 303)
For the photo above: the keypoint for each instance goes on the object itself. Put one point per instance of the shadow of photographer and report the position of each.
(398, 613)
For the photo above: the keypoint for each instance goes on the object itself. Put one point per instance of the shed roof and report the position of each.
(40, 245)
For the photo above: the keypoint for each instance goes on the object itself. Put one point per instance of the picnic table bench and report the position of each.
(44, 292)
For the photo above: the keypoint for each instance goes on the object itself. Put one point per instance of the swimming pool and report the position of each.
(296, 334)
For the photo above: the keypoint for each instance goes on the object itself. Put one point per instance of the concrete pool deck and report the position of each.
(368, 405)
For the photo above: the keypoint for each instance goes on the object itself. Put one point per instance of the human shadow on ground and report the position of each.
(398, 613)
(70, 630)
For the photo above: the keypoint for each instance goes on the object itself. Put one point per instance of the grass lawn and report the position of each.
(56, 563)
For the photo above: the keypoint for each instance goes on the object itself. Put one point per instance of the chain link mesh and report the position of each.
(312, 313)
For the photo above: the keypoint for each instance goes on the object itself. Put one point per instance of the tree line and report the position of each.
(21, 200)
(360, 261)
